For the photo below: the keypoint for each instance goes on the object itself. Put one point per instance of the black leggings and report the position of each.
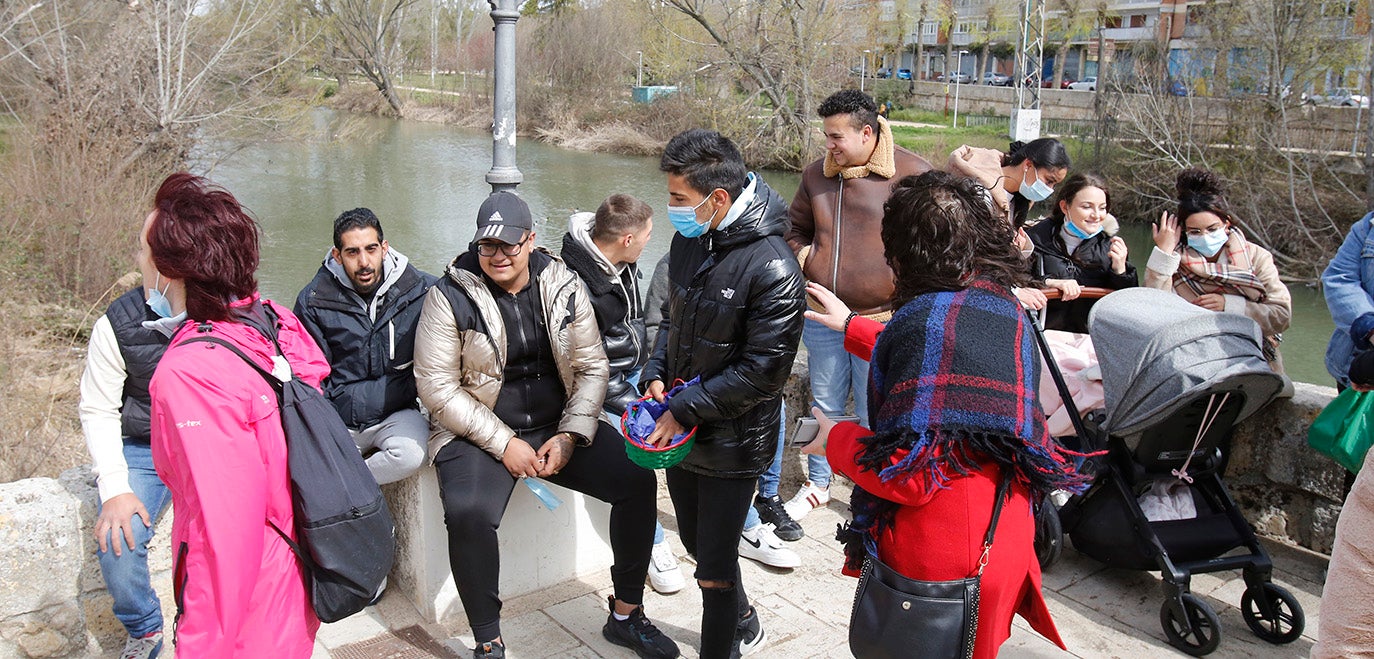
(710, 517)
(475, 489)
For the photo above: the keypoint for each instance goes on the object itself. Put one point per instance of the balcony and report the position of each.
(1146, 33)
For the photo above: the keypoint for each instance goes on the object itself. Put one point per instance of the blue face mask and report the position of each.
(684, 219)
(1077, 232)
(157, 299)
(1036, 191)
(1208, 244)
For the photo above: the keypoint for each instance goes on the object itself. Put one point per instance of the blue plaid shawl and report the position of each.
(953, 383)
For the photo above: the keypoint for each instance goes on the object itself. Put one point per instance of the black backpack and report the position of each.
(346, 535)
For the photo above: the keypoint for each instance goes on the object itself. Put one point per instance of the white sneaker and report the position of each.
(808, 498)
(148, 647)
(763, 545)
(664, 574)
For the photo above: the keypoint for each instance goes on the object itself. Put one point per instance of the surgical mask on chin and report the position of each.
(1077, 232)
(1035, 191)
(684, 220)
(1208, 244)
(157, 299)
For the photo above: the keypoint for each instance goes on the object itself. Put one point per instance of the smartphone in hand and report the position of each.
(807, 427)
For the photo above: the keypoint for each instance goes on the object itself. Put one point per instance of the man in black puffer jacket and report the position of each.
(362, 308)
(733, 318)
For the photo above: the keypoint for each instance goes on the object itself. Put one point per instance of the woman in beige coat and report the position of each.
(1215, 267)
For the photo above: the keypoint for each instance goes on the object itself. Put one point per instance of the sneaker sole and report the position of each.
(758, 558)
(751, 648)
(666, 589)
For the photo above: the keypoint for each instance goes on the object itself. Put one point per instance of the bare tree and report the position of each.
(1290, 177)
(778, 46)
(365, 34)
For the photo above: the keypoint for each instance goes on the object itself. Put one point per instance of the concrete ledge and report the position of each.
(539, 547)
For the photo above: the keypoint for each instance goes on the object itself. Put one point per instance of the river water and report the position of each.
(425, 181)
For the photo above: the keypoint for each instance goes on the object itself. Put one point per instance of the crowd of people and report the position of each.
(516, 363)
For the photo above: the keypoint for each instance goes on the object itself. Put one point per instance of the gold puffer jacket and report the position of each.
(460, 354)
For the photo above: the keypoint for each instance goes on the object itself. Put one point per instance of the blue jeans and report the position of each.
(768, 482)
(835, 374)
(126, 576)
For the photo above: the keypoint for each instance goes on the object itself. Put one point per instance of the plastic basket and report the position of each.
(660, 458)
(653, 457)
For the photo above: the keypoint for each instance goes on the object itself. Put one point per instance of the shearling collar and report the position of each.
(882, 163)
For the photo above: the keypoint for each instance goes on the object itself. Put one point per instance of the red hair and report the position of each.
(202, 236)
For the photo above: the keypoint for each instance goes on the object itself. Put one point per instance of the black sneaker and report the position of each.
(771, 512)
(749, 635)
(639, 634)
(489, 650)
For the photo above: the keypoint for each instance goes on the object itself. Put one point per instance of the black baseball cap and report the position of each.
(504, 216)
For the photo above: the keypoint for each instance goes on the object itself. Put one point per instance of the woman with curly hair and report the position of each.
(1215, 267)
(952, 397)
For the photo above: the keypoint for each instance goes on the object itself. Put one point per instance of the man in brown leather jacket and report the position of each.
(836, 221)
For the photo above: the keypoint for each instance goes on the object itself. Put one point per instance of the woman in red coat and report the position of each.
(952, 396)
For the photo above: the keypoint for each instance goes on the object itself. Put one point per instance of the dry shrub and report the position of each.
(618, 137)
(45, 349)
(361, 99)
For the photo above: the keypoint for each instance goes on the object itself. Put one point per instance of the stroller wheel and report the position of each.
(1049, 534)
(1198, 632)
(1272, 613)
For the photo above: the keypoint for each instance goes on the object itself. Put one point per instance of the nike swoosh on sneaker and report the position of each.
(754, 543)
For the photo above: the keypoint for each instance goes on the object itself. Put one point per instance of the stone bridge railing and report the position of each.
(53, 602)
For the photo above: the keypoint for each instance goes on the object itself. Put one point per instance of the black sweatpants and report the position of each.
(475, 488)
(710, 517)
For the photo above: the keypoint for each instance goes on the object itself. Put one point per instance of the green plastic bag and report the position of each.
(1343, 430)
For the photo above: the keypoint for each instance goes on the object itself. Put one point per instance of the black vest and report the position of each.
(141, 349)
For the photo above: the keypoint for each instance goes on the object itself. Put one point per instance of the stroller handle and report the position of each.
(1088, 293)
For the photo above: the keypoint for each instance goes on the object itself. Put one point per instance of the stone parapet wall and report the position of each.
(53, 602)
(1287, 490)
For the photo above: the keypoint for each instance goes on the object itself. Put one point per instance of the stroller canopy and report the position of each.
(1158, 351)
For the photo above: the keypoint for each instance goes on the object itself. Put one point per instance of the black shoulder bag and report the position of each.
(895, 616)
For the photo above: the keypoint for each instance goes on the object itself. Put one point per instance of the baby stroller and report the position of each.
(1177, 379)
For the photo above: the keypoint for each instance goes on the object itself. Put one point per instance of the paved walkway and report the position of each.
(1100, 612)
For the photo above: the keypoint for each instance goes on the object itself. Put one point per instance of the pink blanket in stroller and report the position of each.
(1078, 362)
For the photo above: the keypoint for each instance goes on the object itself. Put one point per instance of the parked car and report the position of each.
(903, 74)
(883, 73)
(1088, 84)
(951, 76)
(1177, 88)
(1048, 83)
(1341, 97)
(996, 79)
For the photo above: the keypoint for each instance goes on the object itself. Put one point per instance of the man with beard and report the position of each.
(362, 307)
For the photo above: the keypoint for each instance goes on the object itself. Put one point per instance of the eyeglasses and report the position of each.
(489, 249)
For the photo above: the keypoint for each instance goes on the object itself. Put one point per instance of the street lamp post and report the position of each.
(863, 69)
(958, 73)
(504, 174)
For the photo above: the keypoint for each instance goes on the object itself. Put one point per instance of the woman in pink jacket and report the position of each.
(216, 431)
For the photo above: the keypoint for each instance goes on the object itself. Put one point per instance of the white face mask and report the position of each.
(1035, 191)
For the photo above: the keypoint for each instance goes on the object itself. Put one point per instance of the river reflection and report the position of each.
(426, 181)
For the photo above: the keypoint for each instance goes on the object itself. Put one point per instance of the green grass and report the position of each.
(935, 144)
